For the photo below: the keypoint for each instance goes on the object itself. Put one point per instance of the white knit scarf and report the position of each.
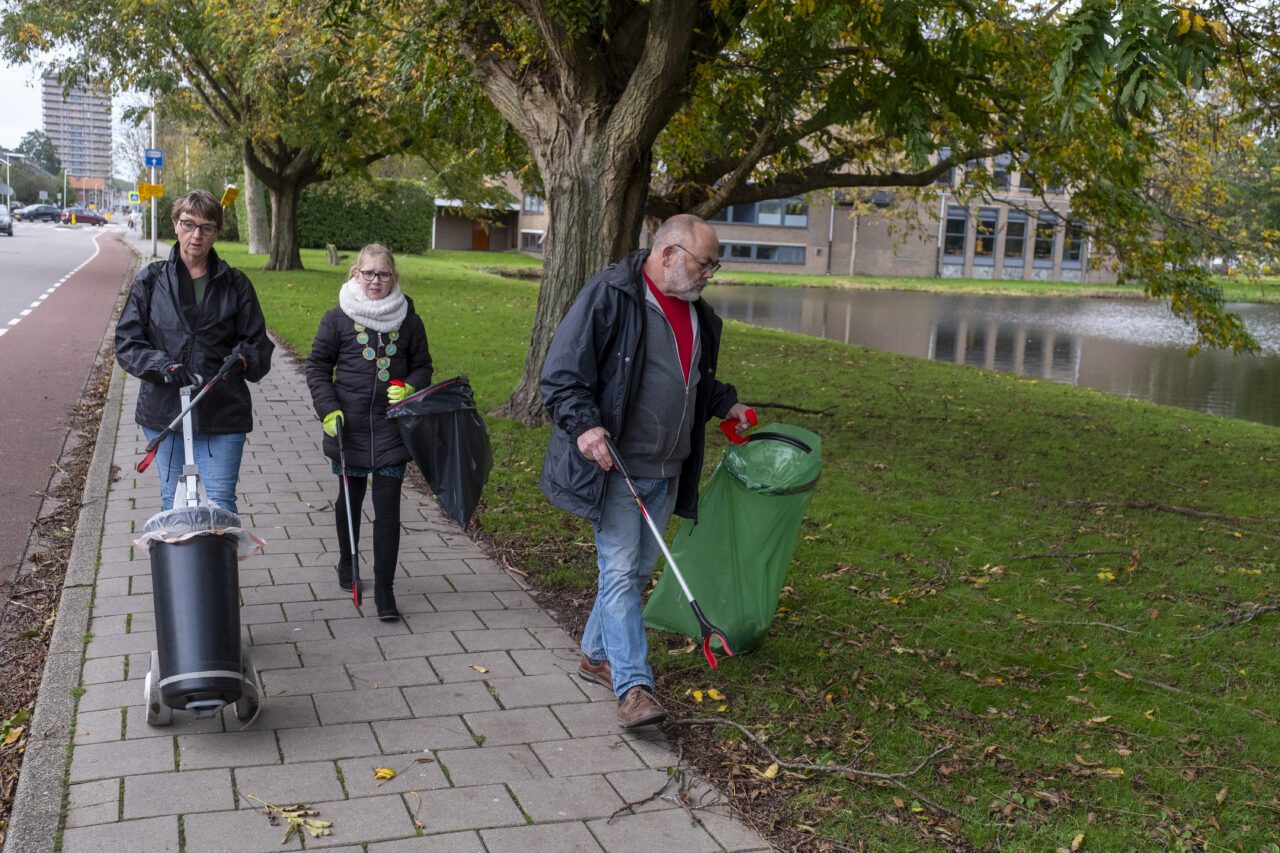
(381, 315)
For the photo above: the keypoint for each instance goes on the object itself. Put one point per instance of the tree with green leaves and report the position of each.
(38, 146)
(306, 97)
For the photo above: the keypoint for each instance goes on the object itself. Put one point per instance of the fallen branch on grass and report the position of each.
(895, 779)
(1238, 618)
(1195, 513)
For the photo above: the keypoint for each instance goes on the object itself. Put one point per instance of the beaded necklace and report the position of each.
(371, 354)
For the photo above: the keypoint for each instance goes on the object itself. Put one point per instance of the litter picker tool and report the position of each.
(709, 630)
(351, 532)
(154, 444)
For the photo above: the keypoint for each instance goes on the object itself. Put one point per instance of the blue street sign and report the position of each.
(154, 157)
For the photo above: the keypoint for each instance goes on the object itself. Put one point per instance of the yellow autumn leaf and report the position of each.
(771, 772)
(1112, 771)
(720, 709)
(13, 735)
(1184, 22)
(382, 774)
(478, 668)
(1077, 842)
(1106, 576)
(1150, 715)
(697, 696)
(1099, 719)
(715, 694)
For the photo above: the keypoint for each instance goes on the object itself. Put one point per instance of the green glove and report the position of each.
(396, 393)
(331, 422)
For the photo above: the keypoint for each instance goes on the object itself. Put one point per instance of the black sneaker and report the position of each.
(344, 577)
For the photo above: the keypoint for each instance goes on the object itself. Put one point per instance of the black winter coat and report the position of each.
(154, 331)
(591, 376)
(340, 377)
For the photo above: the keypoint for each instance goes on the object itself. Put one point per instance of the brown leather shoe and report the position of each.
(639, 708)
(597, 673)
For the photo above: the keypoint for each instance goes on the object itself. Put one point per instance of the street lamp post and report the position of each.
(8, 159)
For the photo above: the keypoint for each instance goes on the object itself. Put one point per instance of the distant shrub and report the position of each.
(350, 213)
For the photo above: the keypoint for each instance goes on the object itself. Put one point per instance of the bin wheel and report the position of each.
(158, 713)
(251, 692)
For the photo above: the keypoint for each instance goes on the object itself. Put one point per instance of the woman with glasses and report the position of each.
(370, 352)
(188, 319)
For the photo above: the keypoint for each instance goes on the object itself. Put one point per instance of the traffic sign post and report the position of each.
(154, 158)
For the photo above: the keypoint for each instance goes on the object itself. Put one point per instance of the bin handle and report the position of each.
(783, 437)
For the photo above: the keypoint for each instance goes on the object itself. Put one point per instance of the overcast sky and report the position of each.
(19, 103)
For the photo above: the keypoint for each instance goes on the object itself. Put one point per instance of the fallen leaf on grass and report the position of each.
(1124, 675)
(715, 694)
(686, 650)
(771, 772)
(1099, 720)
(1077, 842)
(1222, 796)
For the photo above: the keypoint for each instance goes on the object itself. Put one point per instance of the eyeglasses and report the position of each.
(206, 229)
(704, 267)
(370, 275)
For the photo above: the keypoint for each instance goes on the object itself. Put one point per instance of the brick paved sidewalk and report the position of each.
(527, 757)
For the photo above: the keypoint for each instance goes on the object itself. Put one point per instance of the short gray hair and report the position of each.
(677, 229)
(202, 204)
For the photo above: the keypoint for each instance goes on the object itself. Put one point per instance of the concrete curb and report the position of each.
(37, 805)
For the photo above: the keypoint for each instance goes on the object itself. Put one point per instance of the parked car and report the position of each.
(6, 221)
(84, 216)
(38, 212)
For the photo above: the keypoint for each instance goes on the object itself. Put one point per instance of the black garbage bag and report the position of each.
(448, 439)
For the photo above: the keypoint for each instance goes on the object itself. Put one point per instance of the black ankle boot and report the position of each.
(344, 575)
(385, 600)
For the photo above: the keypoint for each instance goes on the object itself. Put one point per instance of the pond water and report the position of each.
(1120, 346)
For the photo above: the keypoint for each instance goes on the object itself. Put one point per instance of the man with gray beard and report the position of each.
(635, 360)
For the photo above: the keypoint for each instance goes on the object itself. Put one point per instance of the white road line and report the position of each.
(97, 247)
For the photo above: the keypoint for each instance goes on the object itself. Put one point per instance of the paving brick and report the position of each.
(227, 749)
(529, 690)
(651, 745)
(401, 672)
(590, 718)
(365, 819)
(574, 798)
(309, 610)
(526, 725)
(514, 599)
(98, 726)
(465, 601)
(425, 568)
(544, 661)
(670, 829)
(487, 641)
(586, 755)
(283, 712)
(109, 626)
(272, 593)
(554, 638)
(350, 650)
(411, 775)
(637, 785)
(257, 614)
(289, 783)
(122, 604)
(520, 618)
(367, 627)
(94, 802)
(419, 645)
(244, 831)
(111, 587)
(127, 644)
(479, 807)
(298, 681)
(487, 582)
(120, 758)
(177, 793)
(418, 735)
(350, 740)
(453, 842)
(488, 765)
(552, 838)
(154, 835)
(463, 667)
(422, 584)
(435, 700)
(454, 620)
(184, 723)
(732, 834)
(384, 703)
(111, 694)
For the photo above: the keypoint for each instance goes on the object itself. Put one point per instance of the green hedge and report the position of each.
(351, 213)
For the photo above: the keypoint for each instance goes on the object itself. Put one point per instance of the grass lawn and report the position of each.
(1077, 595)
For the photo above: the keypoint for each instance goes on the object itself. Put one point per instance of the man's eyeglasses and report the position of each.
(370, 275)
(206, 229)
(704, 267)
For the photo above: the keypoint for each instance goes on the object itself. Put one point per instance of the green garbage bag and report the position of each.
(735, 557)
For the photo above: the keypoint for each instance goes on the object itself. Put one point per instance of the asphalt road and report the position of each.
(58, 287)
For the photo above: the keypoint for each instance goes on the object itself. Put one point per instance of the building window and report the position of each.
(957, 226)
(1073, 248)
(1046, 232)
(1000, 171)
(984, 236)
(787, 212)
(531, 241)
(533, 204)
(947, 178)
(1015, 235)
(762, 253)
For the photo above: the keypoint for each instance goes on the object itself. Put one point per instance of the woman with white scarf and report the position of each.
(372, 339)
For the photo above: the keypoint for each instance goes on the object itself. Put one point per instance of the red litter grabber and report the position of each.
(708, 630)
(729, 426)
(154, 444)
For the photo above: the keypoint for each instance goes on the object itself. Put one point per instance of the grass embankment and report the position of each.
(1076, 593)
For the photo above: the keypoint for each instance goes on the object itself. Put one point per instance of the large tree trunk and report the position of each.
(257, 226)
(284, 227)
(595, 198)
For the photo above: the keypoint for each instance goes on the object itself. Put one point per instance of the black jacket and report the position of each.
(340, 377)
(591, 376)
(154, 331)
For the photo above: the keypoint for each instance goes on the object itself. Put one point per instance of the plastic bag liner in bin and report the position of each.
(195, 583)
(448, 439)
(735, 557)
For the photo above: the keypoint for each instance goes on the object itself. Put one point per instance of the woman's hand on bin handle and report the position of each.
(737, 422)
(332, 423)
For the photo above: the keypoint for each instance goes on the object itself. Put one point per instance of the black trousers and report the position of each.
(386, 525)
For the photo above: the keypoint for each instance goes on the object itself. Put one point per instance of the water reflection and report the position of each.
(1134, 349)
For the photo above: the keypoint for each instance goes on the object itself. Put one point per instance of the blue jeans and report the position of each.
(627, 555)
(217, 457)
